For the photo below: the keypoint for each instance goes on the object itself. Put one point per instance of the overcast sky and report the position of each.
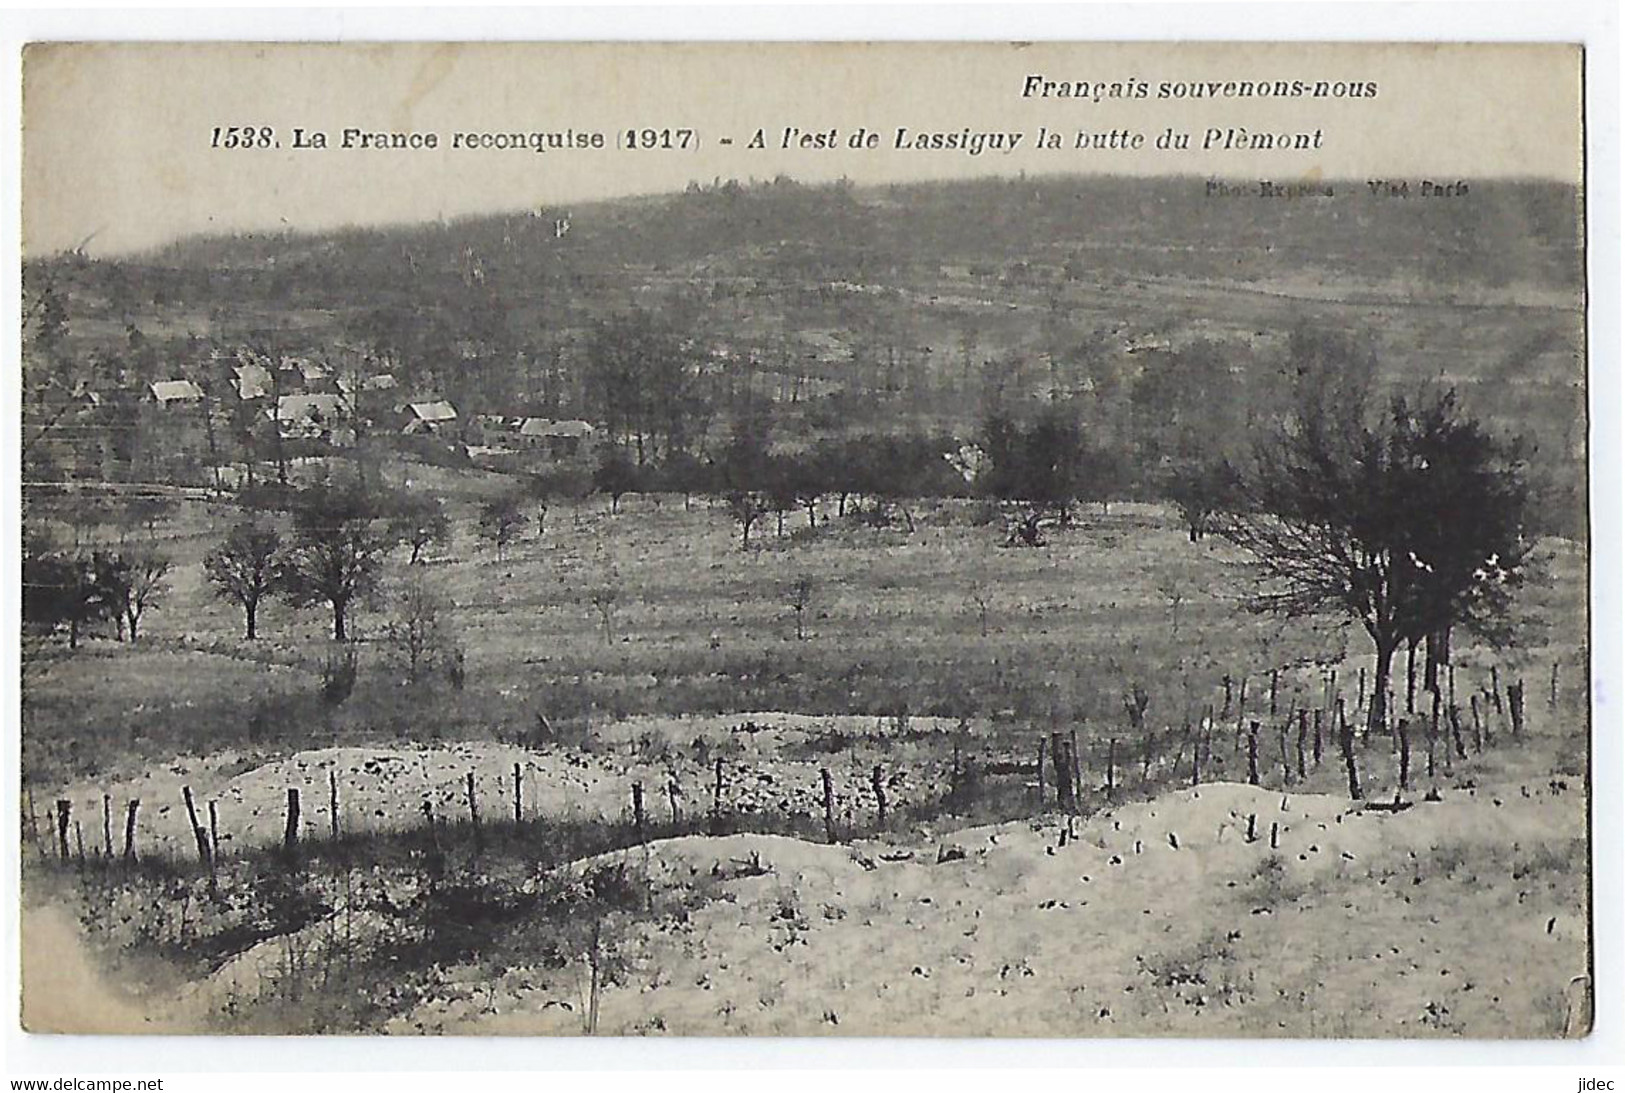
(117, 139)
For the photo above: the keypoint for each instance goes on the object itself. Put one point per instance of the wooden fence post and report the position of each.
(879, 784)
(473, 811)
(198, 834)
(518, 794)
(33, 822)
(1495, 688)
(1275, 835)
(1303, 732)
(79, 843)
(637, 812)
(1077, 764)
(1041, 770)
(1432, 739)
(716, 796)
(1111, 768)
(290, 834)
(1252, 753)
(1286, 764)
(1066, 789)
(829, 804)
(1345, 743)
(1515, 705)
(1241, 713)
(64, 809)
(1402, 727)
(214, 831)
(333, 805)
(672, 794)
(1318, 746)
(107, 826)
(1275, 687)
(129, 829)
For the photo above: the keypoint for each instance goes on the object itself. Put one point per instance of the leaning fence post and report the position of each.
(79, 842)
(198, 835)
(1286, 765)
(1345, 743)
(1495, 688)
(129, 829)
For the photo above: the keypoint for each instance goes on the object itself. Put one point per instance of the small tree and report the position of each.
(417, 629)
(799, 595)
(245, 569)
(615, 475)
(501, 521)
(604, 600)
(420, 522)
(1200, 490)
(131, 582)
(338, 551)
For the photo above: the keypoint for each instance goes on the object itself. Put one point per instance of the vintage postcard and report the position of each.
(977, 540)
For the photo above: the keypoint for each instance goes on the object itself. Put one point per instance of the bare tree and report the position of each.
(604, 599)
(799, 595)
(501, 521)
(418, 630)
(244, 569)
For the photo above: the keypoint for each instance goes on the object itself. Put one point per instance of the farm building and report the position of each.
(253, 380)
(171, 393)
(560, 439)
(507, 434)
(430, 417)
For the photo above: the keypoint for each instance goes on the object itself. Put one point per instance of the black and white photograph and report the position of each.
(970, 540)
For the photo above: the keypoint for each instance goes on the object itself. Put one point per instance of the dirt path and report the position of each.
(65, 991)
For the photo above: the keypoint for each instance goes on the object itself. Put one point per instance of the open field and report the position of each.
(925, 656)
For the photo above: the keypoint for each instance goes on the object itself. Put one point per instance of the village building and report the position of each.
(314, 417)
(438, 418)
